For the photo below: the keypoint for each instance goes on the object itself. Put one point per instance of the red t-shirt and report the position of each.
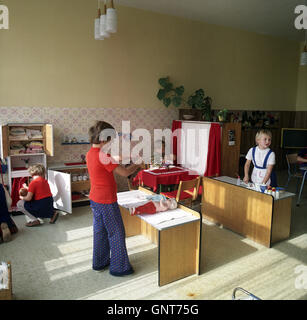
(103, 185)
(40, 188)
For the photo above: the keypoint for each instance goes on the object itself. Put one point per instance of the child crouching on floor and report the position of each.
(38, 202)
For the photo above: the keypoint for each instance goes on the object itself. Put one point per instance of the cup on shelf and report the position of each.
(80, 178)
(74, 177)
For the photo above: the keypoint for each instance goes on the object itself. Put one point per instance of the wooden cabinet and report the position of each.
(25, 144)
(69, 185)
(230, 148)
(25, 138)
(17, 168)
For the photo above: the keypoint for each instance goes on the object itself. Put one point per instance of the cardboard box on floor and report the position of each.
(7, 294)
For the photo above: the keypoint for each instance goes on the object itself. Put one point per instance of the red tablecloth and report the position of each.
(165, 176)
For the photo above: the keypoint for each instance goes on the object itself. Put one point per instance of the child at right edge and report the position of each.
(263, 159)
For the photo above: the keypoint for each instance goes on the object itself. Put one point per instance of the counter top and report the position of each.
(233, 181)
(62, 165)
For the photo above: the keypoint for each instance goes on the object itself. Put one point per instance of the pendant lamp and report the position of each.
(303, 61)
(103, 22)
(304, 57)
(97, 27)
(111, 21)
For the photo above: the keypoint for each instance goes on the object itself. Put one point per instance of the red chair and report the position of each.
(187, 191)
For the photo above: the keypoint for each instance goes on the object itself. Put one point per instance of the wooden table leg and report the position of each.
(179, 252)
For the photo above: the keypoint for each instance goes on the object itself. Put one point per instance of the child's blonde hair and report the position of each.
(263, 132)
(37, 170)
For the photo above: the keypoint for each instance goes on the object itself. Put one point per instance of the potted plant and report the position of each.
(222, 115)
(198, 100)
(170, 94)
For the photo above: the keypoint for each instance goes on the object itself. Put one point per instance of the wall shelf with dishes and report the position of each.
(74, 140)
(190, 114)
(74, 143)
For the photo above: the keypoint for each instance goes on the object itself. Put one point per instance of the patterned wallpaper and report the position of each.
(75, 122)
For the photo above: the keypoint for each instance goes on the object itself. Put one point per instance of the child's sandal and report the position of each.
(34, 223)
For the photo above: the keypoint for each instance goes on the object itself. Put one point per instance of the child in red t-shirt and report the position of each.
(109, 246)
(38, 202)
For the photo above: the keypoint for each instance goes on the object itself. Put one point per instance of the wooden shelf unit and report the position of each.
(18, 160)
(45, 129)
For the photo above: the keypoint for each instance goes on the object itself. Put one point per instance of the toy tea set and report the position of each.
(273, 191)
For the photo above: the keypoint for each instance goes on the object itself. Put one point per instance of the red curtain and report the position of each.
(214, 151)
(176, 139)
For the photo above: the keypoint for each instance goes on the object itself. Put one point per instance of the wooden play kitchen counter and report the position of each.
(176, 232)
(253, 214)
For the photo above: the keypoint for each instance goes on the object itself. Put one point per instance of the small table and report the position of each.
(176, 232)
(304, 169)
(253, 214)
(163, 176)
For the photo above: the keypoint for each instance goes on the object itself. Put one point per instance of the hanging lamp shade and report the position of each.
(303, 61)
(103, 23)
(111, 19)
(97, 27)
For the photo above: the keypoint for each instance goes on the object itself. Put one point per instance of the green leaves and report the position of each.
(161, 94)
(197, 99)
(168, 94)
(163, 82)
(177, 101)
(167, 101)
(179, 90)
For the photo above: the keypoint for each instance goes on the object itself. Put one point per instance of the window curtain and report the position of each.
(194, 146)
(176, 126)
(213, 167)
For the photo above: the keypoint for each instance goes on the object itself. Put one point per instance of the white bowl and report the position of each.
(188, 116)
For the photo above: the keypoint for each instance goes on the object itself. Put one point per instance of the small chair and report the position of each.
(187, 191)
(293, 169)
(246, 296)
(304, 177)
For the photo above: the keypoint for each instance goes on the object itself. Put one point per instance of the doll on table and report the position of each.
(152, 207)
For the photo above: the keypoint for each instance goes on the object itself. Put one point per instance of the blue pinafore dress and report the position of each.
(260, 171)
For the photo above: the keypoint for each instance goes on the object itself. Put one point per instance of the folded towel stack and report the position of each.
(35, 147)
(17, 148)
(17, 133)
(34, 134)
